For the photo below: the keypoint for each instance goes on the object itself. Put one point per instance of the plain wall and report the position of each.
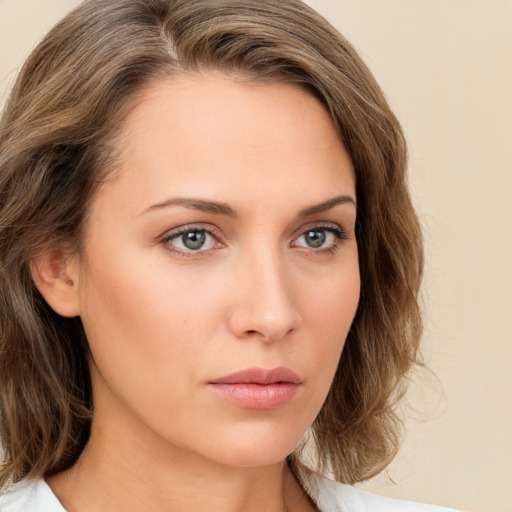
(446, 67)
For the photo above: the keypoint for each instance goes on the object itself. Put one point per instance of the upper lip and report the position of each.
(259, 376)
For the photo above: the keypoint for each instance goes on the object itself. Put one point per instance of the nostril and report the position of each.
(254, 332)
(268, 336)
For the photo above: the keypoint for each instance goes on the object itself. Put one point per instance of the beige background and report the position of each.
(446, 66)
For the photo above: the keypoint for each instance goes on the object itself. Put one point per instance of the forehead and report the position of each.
(226, 137)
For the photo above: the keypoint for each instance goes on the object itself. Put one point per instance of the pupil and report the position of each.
(315, 238)
(194, 239)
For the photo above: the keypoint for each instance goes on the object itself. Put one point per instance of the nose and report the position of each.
(264, 303)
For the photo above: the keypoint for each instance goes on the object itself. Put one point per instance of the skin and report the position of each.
(163, 320)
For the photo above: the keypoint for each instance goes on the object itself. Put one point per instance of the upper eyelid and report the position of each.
(320, 225)
(213, 230)
(174, 232)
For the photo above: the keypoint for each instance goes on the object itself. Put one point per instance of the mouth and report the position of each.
(258, 388)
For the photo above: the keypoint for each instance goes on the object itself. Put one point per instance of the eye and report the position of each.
(321, 238)
(189, 240)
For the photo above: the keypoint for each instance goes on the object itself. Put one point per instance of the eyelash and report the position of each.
(339, 233)
(189, 229)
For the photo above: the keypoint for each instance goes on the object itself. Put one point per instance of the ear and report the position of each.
(55, 275)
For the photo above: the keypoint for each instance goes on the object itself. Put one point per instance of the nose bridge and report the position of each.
(265, 304)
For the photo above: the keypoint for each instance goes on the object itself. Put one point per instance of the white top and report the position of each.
(329, 496)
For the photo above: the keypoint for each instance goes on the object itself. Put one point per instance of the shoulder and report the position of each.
(29, 496)
(332, 496)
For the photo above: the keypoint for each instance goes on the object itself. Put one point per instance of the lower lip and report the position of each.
(257, 396)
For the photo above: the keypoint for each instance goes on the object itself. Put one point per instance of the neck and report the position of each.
(127, 482)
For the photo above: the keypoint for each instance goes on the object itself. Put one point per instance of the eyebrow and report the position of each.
(224, 209)
(327, 205)
(195, 204)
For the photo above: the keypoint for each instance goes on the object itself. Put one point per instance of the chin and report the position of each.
(248, 447)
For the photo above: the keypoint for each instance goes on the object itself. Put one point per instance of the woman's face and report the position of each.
(223, 243)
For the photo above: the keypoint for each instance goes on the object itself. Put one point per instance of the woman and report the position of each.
(210, 264)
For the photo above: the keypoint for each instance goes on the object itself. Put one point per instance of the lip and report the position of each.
(258, 388)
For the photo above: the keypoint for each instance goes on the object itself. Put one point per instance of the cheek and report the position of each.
(327, 315)
(331, 306)
(142, 322)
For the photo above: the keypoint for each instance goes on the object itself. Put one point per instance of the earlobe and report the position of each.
(56, 277)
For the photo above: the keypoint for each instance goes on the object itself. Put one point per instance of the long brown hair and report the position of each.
(67, 103)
